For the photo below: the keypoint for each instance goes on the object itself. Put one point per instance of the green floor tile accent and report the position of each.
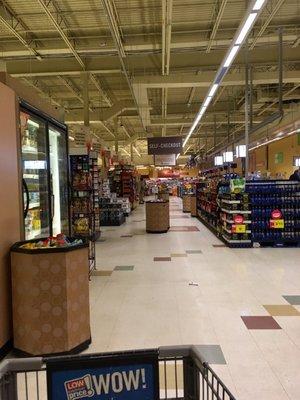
(211, 353)
(124, 268)
(178, 255)
(294, 300)
(101, 273)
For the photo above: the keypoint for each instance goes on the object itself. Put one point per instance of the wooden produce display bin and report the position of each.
(157, 216)
(186, 203)
(50, 296)
(193, 206)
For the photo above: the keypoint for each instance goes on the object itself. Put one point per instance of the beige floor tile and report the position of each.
(283, 310)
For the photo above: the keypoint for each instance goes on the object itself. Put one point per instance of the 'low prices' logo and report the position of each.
(79, 388)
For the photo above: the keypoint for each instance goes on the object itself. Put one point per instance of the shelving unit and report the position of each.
(275, 201)
(85, 200)
(123, 183)
(235, 228)
(219, 210)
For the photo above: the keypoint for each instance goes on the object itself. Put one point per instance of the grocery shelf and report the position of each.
(236, 211)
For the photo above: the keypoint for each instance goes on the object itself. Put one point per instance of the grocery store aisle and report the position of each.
(177, 288)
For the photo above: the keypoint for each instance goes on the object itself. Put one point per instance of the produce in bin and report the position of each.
(60, 240)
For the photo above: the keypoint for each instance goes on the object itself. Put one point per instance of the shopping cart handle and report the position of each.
(21, 364)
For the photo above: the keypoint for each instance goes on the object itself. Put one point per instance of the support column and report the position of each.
(131, 152)
(215, 130)
(116, 121)
(86, 107)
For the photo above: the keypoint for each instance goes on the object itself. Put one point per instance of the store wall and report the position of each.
(10, 199)
(277, 157)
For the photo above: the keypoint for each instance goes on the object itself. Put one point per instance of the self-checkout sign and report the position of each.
(277, 223)
(238, 228)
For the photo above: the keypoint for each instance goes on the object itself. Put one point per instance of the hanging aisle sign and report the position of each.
(165, 145)
(165, 160)
(129, 376)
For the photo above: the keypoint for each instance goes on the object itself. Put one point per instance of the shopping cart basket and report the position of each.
(177, 373)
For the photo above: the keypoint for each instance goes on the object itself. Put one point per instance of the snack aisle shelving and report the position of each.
(235, 219)
(85, 217)
(226, 214)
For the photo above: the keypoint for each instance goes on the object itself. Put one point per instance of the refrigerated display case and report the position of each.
(44, 156)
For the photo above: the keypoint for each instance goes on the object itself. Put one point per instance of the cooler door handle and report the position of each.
(52, 206)
(25, 212)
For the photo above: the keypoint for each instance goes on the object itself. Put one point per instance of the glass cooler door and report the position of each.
(35, 177)
(58, 180)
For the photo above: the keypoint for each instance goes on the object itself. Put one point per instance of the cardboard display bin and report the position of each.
(157, 216)
(186, 203)
(50, 296)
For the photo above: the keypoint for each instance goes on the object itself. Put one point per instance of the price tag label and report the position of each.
(277, 223)
(239, 228)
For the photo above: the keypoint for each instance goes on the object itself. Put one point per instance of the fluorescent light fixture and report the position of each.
(177, 156)
(240, 151)
(228, 156)
(251, 15)
(33, 123)
(218, 161)
(258, 5)
(202, 111)
(213, 90)
(207, 101)
(231, 56)
(245, 29)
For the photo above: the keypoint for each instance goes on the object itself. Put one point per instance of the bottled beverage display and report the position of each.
(275, 195)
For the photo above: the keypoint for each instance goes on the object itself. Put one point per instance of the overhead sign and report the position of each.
(165, 160)
(125, 377)
(165, 145)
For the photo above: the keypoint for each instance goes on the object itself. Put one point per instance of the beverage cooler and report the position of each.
(44, 163)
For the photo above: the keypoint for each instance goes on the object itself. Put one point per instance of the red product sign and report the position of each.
(276, 214)
(238, 219)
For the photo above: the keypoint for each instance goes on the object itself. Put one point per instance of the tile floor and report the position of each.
(155, 303)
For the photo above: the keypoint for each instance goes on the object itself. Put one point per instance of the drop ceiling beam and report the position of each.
(14, 24)
(57, 21)
(112, 16)
(179, 42)
(60, 23)
(204, 80)
(43, 91)
(101, 114)
(216, 23)
(189, 121)
(111, 65)
(275, 6)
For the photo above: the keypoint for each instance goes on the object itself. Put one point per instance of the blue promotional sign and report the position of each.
(94, 379)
